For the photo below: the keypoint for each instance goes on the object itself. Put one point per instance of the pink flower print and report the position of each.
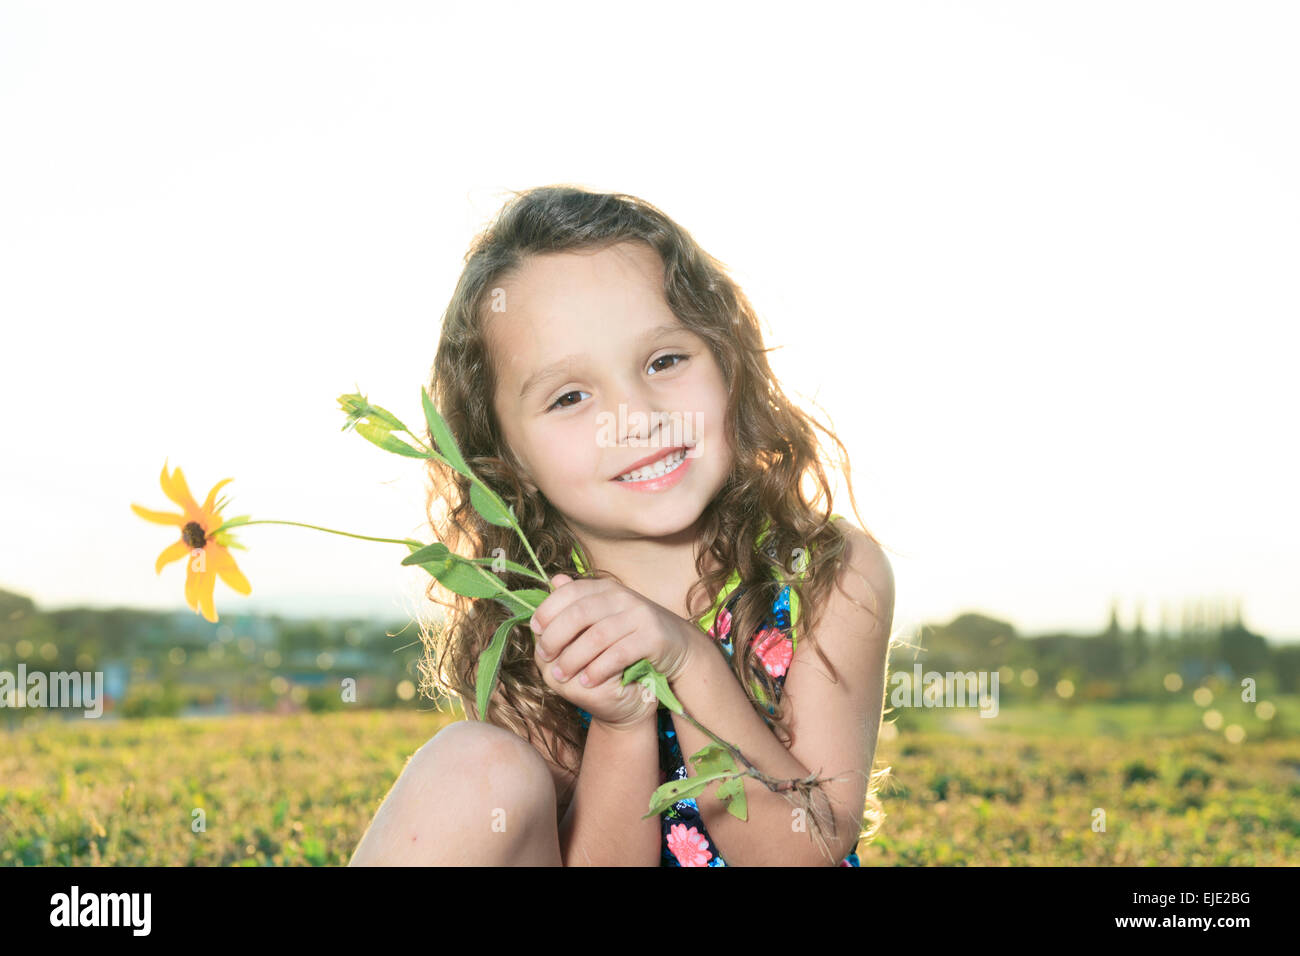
(846, 863)
(689, 846)
(721, 625)
(774, 650)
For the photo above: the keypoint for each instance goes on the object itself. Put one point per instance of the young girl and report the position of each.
(608, 379)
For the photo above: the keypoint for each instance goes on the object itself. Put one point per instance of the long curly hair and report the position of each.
(777, 473)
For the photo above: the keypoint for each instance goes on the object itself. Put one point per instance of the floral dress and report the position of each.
(686, 841)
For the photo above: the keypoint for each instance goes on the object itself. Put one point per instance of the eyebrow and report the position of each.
(542, 376)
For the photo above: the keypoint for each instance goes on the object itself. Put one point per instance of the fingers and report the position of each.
(619, 654)
(568, 593)
(570, 642)
(567, 633)
(596, 626)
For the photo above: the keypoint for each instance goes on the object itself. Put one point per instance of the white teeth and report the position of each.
(661, 467)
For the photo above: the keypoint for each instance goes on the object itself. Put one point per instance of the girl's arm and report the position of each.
(619, 772)
(833, 725)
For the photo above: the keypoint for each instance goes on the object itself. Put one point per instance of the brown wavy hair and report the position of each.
(777, 462)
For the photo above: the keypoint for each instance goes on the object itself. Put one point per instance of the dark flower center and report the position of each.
(192, 534)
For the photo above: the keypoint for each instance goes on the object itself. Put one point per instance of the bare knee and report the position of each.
(472, 783)
(484, 760)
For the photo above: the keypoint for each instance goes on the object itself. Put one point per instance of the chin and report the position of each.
(661, 520)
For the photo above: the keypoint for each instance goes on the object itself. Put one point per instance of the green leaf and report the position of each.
(509, 565)
(715, 764)
(228, 541)
(425, 554)
(354, 406)
(383, 437)
(491, 507)
(489, 664)
(644, 673)
(733, 792)
(533, 596)
(382, 416)
(673, 791)
(358, 407)
(466, 579)
(713, 761)
(463, 577)
(442, 437)
(524, 601)
(229, 523)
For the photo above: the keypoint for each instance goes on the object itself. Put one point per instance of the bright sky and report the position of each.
(1034, 260)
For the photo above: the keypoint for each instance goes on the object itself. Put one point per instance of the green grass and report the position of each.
(277, 790)
(1020, 789)
(1177, 716)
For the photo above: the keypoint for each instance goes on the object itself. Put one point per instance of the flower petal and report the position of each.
(207, 582)
(192, 579)
(159, 517)
(175, 488)
(223, 562)
(208, 511)
(173, 552)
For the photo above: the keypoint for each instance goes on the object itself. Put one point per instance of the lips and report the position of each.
(651, 459)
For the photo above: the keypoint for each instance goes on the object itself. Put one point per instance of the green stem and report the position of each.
(299, 524)
(493, 580)
(536, 563)
(488, 561)
(735, 752)
(428, 449)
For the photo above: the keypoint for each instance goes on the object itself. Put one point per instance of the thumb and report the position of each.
(559, 579)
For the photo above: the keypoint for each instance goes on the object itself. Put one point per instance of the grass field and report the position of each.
(1022, 789)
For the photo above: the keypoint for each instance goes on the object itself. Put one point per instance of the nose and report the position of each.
(640, 426)
(638, 415)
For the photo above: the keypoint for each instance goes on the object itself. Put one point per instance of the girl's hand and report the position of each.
(594, 629)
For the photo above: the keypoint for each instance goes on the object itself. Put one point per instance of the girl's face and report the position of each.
(594, 375)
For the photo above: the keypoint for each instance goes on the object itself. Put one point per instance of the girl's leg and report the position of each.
(474, 795)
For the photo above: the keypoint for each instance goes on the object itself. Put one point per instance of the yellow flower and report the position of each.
(208, 555)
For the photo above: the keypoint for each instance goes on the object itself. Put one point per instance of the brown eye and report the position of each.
(663, 357)
(556, 403)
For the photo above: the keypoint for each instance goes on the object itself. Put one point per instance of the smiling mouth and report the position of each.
(656, 469)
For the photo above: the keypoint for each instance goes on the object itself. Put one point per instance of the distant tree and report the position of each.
(969, 640)
(1286, 666)
(1246, 653)
(1112, 627)
(1140, 645)
(14, 608)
